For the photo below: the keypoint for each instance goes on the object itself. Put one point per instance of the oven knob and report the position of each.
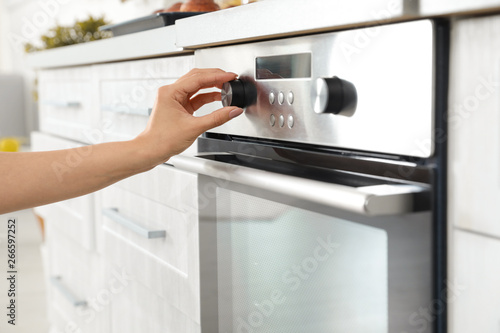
(334, 95)
(238, 93)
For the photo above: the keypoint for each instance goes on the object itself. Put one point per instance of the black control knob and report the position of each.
(334, 95)
(238, 93)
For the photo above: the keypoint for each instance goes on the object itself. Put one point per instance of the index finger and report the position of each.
(204, 78)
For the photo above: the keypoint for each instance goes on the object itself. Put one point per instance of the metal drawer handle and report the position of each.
(56, 281)
(118, 109)
(63, 104)
(113, 214)
(384, 199)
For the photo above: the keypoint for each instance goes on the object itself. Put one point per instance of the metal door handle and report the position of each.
(118, 109)
(63, 104)
(56, 281)
(375, 200)
(113, 214)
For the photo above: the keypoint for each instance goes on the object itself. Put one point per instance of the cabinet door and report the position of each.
(137, 308)
(473, 285)
(77, 295)
(66, 103)
(474, 125)
(163, 199)
(74, 217)
(127, 92)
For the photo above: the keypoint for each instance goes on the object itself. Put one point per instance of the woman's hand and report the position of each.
(36, 178)
(172, 127)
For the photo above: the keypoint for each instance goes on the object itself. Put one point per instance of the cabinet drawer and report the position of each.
(74, 217)
(138, 309)
(126, 105)
(166, 185)
(65, 103)
(473, 286)
(152, 229)
(128, 90)
(74, 275)
(167, 266)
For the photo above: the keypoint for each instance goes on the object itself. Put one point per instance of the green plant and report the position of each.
(81, 32)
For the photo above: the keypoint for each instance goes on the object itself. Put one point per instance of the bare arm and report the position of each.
(37, 178)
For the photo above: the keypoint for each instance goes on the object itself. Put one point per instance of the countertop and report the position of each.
(256, 21)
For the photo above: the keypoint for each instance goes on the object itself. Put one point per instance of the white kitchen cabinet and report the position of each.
(65, 106)
(73, 268)
(129, 283)
(473, 286)
(474, 176)
(139, 309)
(73, 217)
(474, 125)
(166, 268)
(127, 92)
(75, 286)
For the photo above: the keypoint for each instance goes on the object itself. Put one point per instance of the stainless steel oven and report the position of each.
(320, 207)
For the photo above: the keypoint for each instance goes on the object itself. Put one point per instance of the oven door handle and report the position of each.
(374, 200)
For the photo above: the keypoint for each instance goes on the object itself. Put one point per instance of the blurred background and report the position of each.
(24, 21)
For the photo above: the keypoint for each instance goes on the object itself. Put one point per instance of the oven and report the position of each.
(321, 207)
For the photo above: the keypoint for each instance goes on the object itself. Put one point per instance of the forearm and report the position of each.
(37, 178)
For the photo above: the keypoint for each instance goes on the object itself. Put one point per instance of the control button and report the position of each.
(281, 97)
(238, 93)
(282, 120)
(272, 120)
(290, 121)
(290, 97)
(272, 97)
(334, 95)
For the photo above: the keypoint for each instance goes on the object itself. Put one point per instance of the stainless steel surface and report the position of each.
(56, 282)
(319, 95)
(226, 94)
(391, 67)
(114, 215)
(367, 200)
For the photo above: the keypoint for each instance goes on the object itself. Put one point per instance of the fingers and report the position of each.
(217, 118)
(202, 99)
(198, 79)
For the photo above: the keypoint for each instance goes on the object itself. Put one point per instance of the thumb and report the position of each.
(218, 118)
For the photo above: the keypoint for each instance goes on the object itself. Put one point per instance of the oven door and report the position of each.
(282, 253)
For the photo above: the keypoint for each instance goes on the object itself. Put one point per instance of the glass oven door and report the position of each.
(277, 256)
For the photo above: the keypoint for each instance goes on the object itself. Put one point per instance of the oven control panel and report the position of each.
(368, 89)
(329, 95)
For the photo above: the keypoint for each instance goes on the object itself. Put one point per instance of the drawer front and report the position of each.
(138, 309)
(155, 230)
(166, 185)
(127, 92)
(168, 265)
(65, 103)
(74, 285)
(74, 217)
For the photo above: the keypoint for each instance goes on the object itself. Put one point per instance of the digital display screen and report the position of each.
(290, 66)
